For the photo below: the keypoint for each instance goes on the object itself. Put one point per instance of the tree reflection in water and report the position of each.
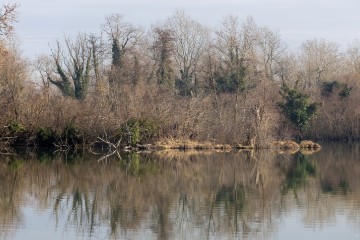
(301, 168)
(167, 195)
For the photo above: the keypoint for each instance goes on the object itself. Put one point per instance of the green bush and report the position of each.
(328, 88)
(18, 133)
(297, 108)
(72, 135)
(46, 137)
(136, 131)
(345, 91)
(16, 128)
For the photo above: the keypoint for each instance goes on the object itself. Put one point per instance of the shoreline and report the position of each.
(305, 147)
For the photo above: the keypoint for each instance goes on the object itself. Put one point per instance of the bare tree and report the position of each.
(231, 72)
(320, 60)
(13, 73)
(7, 19)
(71, 67)
(190, 41)
(270, 51)
(124, 37)
(98, 51)
(44, 66)
(288, 69)
(163, 48)
(353, 53)
(249, 32)
(229, 37)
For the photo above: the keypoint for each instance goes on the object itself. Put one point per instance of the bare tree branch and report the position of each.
(7, 19)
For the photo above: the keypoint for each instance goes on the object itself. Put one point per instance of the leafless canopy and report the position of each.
(7, 19)
(122, 35)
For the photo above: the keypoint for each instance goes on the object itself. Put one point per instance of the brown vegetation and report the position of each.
(178, 82)
(309, 145)
(305, 147)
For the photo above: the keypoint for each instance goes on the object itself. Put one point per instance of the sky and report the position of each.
(41, 22)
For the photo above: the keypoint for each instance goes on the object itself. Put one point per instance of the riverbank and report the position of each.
(130, 137)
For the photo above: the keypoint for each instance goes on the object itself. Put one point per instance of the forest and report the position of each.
(176, 80)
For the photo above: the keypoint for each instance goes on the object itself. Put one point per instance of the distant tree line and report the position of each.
(237, 84)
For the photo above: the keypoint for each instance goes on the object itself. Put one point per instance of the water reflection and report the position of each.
(176, 195)
(300, 170)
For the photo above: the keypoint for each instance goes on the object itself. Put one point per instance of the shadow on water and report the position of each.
(167, 195)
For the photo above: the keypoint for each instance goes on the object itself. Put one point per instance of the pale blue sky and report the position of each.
(42, 21)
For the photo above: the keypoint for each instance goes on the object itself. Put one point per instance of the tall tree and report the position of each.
(320, 60)
(13, 70)
(98, 51)
(270, 51)
(163, 47)
(288, 69)
(13, 73)
(72, 67)
(190, 41)
(230, 76)
(123, 37)
(353, 53)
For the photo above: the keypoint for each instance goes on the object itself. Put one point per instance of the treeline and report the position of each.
(179, 80)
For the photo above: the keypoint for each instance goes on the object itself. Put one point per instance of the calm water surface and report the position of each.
(182, 195)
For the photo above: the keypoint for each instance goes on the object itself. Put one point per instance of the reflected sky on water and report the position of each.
(182, 195)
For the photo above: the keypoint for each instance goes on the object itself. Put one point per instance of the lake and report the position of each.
(181, 195)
